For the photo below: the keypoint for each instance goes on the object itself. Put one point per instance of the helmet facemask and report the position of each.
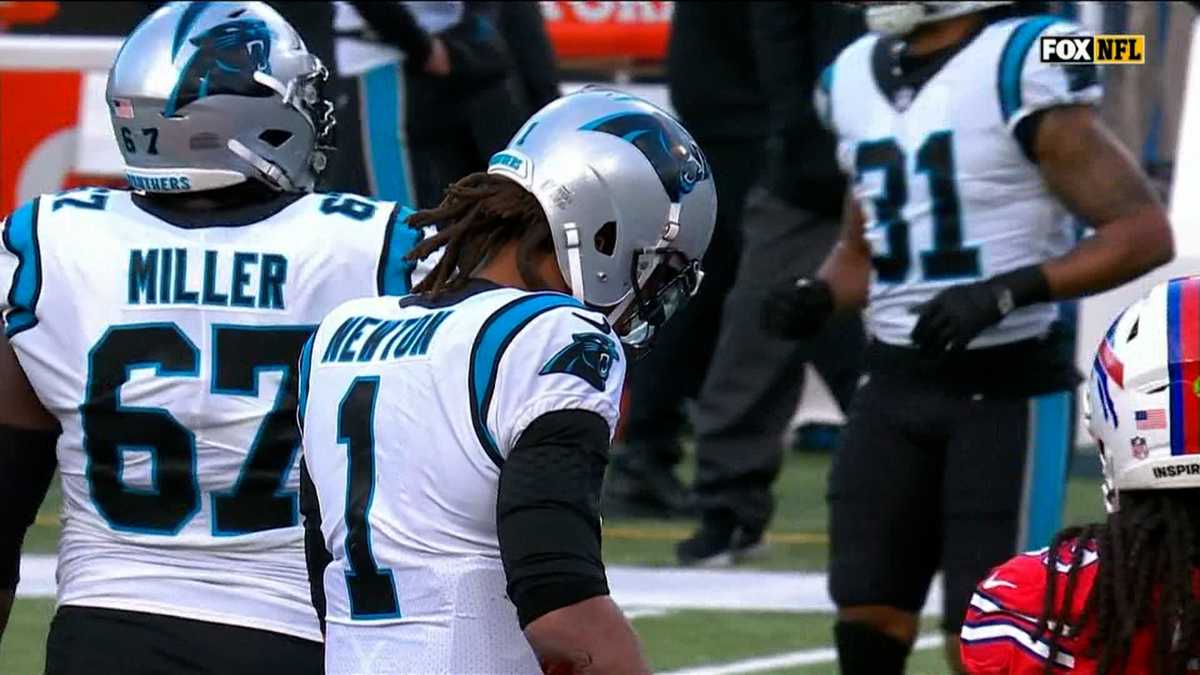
(671, 282)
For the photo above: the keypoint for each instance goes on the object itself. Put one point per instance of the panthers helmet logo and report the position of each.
(226, 58)
(589, 357)
(675, 156)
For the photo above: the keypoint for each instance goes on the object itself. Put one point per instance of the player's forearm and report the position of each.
(1120, 251)
(590, 637)
(847, 270)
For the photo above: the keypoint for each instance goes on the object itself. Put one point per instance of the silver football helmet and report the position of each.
(630, 201)
(900, 18)
(204, 95)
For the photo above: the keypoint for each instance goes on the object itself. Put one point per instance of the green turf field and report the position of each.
(673, 640)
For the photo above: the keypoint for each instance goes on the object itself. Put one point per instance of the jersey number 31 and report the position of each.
(949, 259)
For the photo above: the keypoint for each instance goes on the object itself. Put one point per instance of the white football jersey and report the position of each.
(169, 354)
(409, 411)
(948, 193)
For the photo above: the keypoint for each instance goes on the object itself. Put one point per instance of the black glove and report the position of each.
(797, 310)
(958, 314)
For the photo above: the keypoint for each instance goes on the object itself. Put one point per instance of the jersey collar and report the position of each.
(899, 77)
(232, 216)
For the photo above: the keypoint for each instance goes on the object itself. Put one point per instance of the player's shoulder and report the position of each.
(1014, 43)
(1021, 33)
(350, 207)
(533, 317)
(1018, 586)
(1024, 82)
(851, 64)
(1000, 633)
(551, 333)
(71, 202)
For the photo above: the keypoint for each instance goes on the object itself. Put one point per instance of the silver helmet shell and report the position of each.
(900, 18)
(627, 192)
(205, 95)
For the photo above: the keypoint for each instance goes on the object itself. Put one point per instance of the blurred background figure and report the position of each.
(711, 75)
(435, 89)
(1143, 105)
(791, 221)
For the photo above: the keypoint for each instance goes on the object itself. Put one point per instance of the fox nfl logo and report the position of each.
(1096, 49)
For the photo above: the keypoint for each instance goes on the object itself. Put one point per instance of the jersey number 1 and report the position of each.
(949, 259)
(372, 589)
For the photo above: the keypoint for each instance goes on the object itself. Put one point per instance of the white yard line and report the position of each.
(644, 613)
(805, 657)
(37, 576)
(639, 588)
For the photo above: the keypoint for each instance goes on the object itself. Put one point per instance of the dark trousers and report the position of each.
(94, 641)
(673, 371)
(755, 380)
(931, 478)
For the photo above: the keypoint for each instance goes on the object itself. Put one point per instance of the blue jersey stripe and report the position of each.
(305, 368)
(385, 144)
(1012, 60)
(20, 238)
(491, 342)
(395, 273)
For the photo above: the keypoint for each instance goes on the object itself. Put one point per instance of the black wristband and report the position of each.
(1026, 286)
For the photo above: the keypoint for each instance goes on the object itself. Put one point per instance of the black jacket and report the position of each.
(712, 73)
(793, 42)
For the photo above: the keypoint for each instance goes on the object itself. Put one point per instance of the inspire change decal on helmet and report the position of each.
(226, 58)
(675, 157)
(513, 163)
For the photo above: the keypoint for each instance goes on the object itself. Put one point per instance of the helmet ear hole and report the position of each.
(275, 137)
(606, 238)
(1133, 331)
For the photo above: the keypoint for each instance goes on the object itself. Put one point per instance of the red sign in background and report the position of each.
(33, 107)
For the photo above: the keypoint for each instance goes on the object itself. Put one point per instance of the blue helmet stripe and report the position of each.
(186, 21)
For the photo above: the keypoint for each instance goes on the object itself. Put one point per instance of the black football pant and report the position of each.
(928, 478)
(94, 641)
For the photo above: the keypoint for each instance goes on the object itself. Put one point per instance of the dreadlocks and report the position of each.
(479, 214)
(1147, 557)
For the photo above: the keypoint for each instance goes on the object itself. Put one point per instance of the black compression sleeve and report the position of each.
(315, 555)
(548, 513)
(27, 463)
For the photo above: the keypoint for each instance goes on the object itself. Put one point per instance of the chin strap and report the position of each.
(574, 260)
(273, 173)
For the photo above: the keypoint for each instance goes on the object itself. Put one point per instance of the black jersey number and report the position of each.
(258, 500)
(372, 589)
(948, 259)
